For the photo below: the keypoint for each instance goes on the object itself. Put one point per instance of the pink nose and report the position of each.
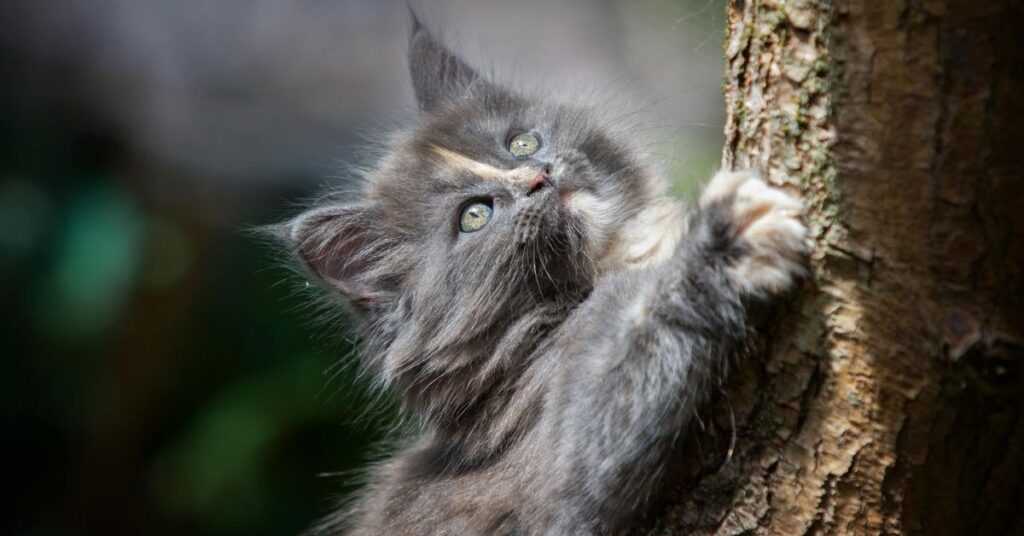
(538, 182)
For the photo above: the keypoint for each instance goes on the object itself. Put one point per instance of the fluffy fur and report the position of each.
(556, 354)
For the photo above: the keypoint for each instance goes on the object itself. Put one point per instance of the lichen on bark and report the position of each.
(888, 397)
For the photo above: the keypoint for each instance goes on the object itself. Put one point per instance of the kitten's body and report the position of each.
(556, 354)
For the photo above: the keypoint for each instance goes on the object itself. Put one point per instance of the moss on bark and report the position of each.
(888, 398)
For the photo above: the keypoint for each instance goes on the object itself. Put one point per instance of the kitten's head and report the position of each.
(487, 219)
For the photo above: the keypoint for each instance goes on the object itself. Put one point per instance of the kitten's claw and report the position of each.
(766, 223)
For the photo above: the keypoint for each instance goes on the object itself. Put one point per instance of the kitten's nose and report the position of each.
(538, 182)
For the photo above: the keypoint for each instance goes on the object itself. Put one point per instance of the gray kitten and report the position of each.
(523, 281)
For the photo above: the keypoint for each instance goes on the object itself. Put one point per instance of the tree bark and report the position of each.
(888, 398)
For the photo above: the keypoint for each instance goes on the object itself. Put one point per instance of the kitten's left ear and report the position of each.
(438, 75)
(346, 249)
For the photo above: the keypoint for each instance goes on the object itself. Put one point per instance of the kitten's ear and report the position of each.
(438, 74)
(344, 247)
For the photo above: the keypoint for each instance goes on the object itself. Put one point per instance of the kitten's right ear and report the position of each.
(438, 74)
(345, 249)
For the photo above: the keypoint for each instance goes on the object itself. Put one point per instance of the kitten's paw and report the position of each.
(765, 222)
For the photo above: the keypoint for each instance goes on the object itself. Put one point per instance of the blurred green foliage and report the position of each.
(161, 375)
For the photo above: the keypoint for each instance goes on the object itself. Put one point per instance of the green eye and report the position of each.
(475, 216)
(524, 144)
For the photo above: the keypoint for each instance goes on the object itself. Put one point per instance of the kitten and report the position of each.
(521, 278)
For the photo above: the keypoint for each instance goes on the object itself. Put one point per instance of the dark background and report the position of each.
(160, 371)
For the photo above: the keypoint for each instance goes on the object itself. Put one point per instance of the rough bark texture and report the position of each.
(889, 398)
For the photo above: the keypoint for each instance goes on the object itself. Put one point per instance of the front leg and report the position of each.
(652, 344)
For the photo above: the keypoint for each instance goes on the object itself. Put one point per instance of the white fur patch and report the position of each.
(648, 238)
(510, 178)
(723, 184)
(767, 219)
(599, 217)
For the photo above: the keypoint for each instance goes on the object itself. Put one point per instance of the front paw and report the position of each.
(764, 224)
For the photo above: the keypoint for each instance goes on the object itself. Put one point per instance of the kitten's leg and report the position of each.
(656, 343)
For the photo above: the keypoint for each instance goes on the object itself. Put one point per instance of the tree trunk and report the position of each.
(889, 398)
